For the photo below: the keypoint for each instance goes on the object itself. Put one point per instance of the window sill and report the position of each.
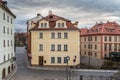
(65, 50)
(59, 50)
(40, 38)
(52, 50)
(40, 50)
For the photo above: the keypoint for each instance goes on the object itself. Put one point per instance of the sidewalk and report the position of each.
(43, 67)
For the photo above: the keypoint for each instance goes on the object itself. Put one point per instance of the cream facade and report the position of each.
(52, 40)
(72, 43)
(7, 56)
(30, 24)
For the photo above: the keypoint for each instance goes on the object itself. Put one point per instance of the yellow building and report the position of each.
(52, 40)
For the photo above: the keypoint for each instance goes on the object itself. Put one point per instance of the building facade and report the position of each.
(7, 56)
(98, 42)
(20, 39)
(53, 39)
(30, 24)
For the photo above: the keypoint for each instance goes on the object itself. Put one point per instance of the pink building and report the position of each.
(98, 42)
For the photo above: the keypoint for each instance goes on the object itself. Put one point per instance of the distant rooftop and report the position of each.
(102, 28)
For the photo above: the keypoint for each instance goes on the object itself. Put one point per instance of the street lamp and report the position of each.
(74, 60)
(67, 59)
(89, 53)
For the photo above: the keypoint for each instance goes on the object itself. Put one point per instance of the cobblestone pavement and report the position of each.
(24, 73)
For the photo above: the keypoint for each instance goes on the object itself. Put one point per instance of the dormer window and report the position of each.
(61, 25)
(43, 25)
(58, 24)
(96, 30)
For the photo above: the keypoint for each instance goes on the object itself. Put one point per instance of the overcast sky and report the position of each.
(86, 12)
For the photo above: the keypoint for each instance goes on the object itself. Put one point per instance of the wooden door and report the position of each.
(41, 60)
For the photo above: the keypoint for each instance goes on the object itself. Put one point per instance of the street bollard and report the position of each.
(81, 77)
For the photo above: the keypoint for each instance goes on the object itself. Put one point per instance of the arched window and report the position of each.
(3, 73)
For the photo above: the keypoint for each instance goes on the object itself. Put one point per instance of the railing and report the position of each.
(81, 77)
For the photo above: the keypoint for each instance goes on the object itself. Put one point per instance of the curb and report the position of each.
(46, 69)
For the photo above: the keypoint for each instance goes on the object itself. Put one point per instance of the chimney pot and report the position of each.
(76, 23)
(50, 12)
(38, 14)
(4, 3)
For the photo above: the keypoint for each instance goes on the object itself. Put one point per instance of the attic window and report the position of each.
(43, 25)
(110, 30)
(61, 25)
(50, 17)
(88, 31)
(96, 30)
(92, 30)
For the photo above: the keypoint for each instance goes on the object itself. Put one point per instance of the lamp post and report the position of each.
(89, 53)
(67, 75)
(74, 60)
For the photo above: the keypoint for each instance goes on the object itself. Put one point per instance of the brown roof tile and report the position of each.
(102, 28)
(52, 23)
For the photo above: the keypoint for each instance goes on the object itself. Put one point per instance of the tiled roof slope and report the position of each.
(102, 28)
(4, 6)
(52, 23)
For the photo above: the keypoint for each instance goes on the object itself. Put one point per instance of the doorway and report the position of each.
(41, 60)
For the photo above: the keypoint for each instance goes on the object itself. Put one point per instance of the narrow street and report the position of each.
(24, 73)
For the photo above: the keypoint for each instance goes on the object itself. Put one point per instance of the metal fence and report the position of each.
(81, 77)
(87, 75)
(94, 78)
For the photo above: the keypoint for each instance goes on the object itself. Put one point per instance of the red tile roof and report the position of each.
(52, 23)
(102, 28)
(52, 17)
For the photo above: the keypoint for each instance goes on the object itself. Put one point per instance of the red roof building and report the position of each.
(99, 41)
(52, 39)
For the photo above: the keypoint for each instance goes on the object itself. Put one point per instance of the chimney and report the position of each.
(50, 12)
(76, 23)
(38, 14)
(4, 3)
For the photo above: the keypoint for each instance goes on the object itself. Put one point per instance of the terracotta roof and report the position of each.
(2, 5)
(102, 28)
(52, 17)
(52, 23)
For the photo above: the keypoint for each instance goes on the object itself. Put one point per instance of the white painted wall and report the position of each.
(4, 36)
(35, 20)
